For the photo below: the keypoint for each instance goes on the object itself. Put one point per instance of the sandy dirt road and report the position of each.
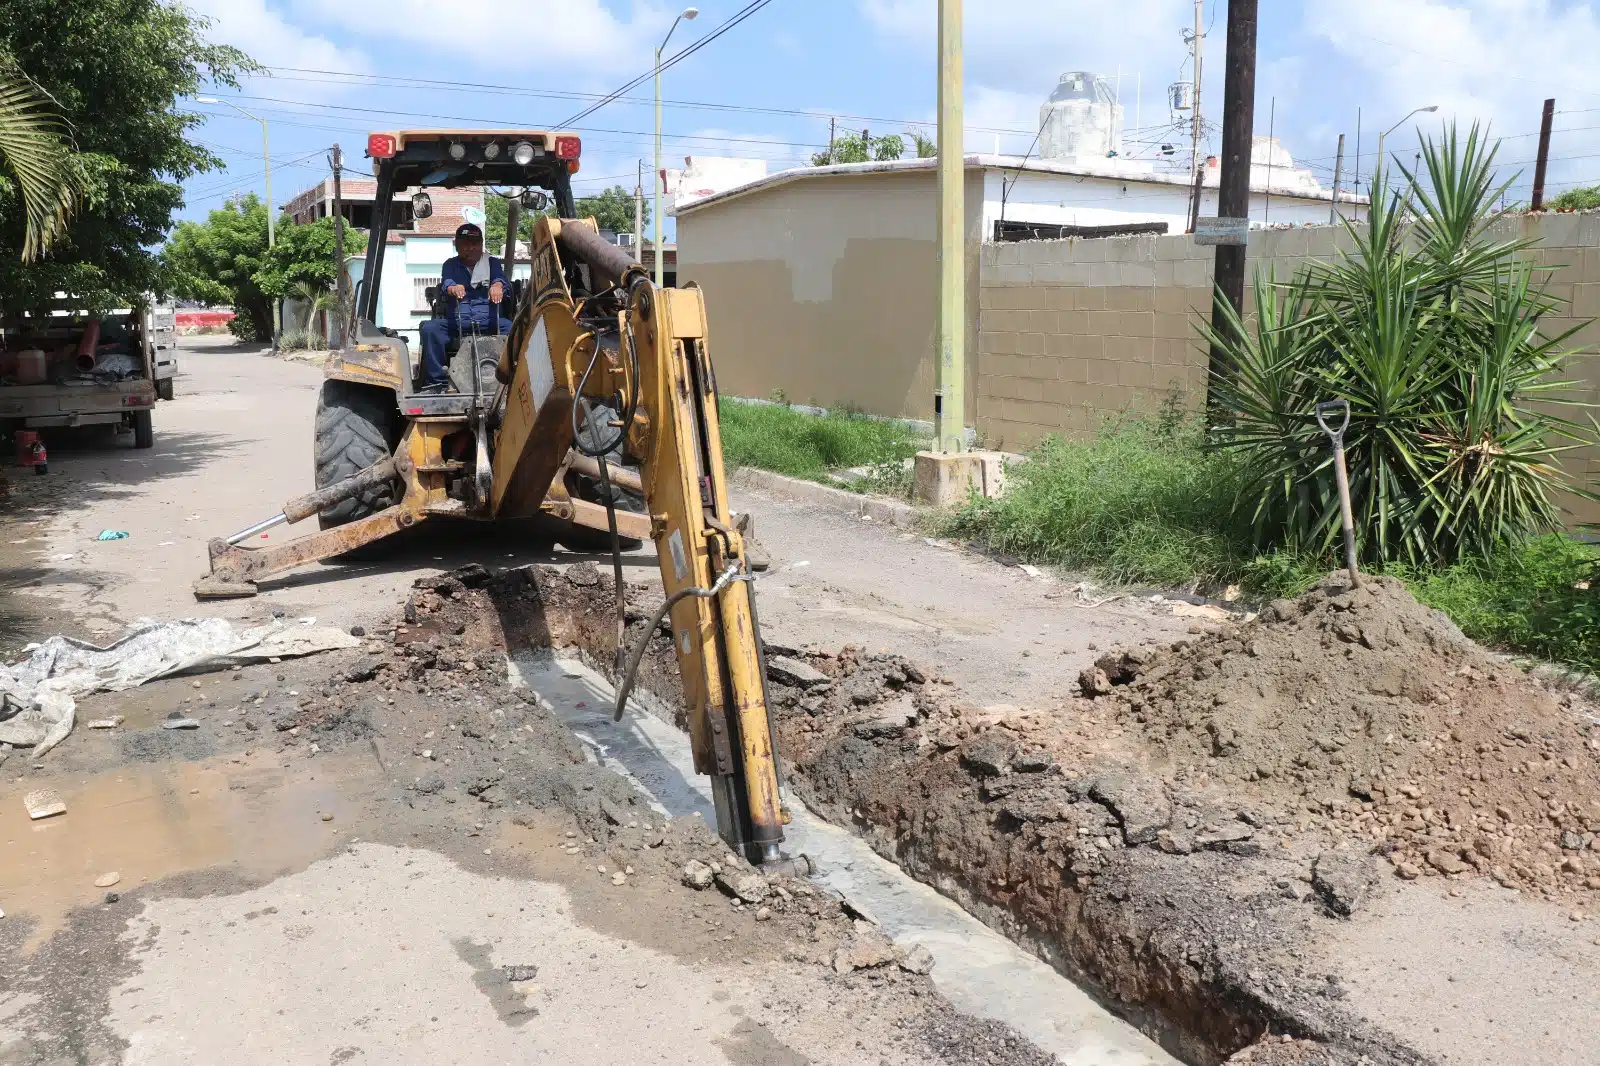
(347, 896)
(230, 870)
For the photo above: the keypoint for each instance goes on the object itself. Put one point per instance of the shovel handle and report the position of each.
(1330, 407)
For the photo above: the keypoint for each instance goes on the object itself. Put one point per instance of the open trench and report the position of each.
(1064, 855)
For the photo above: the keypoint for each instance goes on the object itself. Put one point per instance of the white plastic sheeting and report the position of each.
(38, 696)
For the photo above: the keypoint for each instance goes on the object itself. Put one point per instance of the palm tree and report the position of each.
(316, 297)
(35, 149)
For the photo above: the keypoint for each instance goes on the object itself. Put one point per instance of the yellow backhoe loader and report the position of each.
(602, 394)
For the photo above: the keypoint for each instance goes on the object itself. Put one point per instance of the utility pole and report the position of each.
(1338, 172)
(513, 223)
(1537, 203)
(338, 241)
(832, 123)
(1233, 184)
(1194, 137)
(949, 402)
(638, 212)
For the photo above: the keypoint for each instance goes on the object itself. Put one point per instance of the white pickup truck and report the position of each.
(70, 368)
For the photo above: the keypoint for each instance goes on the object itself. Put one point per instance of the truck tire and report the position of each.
(164, 389)
(144, 430)
(354, 430)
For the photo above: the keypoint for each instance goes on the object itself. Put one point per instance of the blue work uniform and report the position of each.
(474, 310)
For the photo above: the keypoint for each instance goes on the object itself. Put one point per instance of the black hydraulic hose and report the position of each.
(616, 556)
(636, 653)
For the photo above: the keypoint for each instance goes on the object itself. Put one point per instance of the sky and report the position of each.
(768, 86)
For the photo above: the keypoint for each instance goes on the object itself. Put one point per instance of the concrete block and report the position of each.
(1013, 274)
(1102, 323)
(946, 479)
(1030, 344)
(1091, 298)
(1131, 298)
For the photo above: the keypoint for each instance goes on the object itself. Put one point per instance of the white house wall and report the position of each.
(1059, 199)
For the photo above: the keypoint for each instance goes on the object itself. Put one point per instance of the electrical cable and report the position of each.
(730, 23)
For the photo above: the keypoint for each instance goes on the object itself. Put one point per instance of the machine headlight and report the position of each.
(522, 153)
(458, 151)
(491, 150)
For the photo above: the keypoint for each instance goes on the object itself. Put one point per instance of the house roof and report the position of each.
(1111, 170)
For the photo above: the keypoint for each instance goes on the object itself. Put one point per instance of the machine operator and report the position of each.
(474, 286)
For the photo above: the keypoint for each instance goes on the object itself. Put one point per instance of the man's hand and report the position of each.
(458, 291)
(496, 292)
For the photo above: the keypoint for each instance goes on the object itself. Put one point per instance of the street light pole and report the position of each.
(950, 368)
(688, 13)
(1383, 170)
(266, 158)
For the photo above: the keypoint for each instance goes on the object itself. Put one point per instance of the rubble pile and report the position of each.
(1370, 717)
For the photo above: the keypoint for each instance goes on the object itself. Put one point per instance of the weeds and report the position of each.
(1143, 503)
(797, 444)
(1146, 504)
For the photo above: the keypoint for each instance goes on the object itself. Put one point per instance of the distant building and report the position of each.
(416, 248)
(819, 260)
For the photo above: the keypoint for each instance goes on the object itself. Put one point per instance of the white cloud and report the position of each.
(585, 35)
(1015, 54)
(1025, 48)
(266, 36)
(1487, 60)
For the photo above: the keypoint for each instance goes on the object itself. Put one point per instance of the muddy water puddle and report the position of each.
(148, 822)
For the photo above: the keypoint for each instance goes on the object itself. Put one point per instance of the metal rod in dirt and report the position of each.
(1341, 477)
(1346, 517)
(260, 527)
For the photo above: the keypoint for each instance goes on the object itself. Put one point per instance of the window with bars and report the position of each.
(419, 292)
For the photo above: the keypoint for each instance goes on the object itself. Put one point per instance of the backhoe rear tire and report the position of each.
(355, 428)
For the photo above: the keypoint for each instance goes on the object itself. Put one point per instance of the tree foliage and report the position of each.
(116, 70)
(1430, 330)
(1584, 199)
(217, 262)
(612, 210)
(864, 148)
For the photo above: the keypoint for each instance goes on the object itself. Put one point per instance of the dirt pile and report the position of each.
(1386, 724)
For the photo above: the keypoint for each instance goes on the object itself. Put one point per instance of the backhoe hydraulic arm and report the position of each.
(647, 350)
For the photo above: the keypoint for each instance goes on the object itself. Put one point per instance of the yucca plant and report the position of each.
(36, 154)
(1430, 329)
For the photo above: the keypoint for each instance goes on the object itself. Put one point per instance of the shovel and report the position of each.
(1342, 477)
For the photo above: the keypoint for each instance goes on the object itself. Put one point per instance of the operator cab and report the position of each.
(531, 169)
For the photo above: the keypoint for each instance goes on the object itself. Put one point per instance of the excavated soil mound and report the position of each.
(1392, 724)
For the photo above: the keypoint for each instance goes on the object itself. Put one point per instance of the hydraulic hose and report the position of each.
(636, 653)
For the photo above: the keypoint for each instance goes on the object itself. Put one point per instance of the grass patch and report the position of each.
(778, 438)
(1534, 598)
(1145, 504)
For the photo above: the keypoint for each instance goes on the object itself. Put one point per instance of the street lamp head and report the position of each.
(207, 100)
(690, 13)
(1431, 107)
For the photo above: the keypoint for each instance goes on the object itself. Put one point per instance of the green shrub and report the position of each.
(786, 441)
(1534, 598)
(1582, 199)
(1430, 331)
(1144, 502)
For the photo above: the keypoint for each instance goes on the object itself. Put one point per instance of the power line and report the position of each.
(555, 94)
(509, 123)
(734, 20)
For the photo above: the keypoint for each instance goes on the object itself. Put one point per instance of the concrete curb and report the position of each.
(889, 512)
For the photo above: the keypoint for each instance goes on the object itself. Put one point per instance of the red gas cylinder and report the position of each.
(30, 451)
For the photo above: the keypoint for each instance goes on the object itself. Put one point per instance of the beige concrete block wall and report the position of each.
(1072, 332)
(827, 292)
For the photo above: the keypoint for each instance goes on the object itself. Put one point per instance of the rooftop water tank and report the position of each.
(1081, 120)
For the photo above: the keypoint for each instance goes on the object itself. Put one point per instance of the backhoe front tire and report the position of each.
(355, 428)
